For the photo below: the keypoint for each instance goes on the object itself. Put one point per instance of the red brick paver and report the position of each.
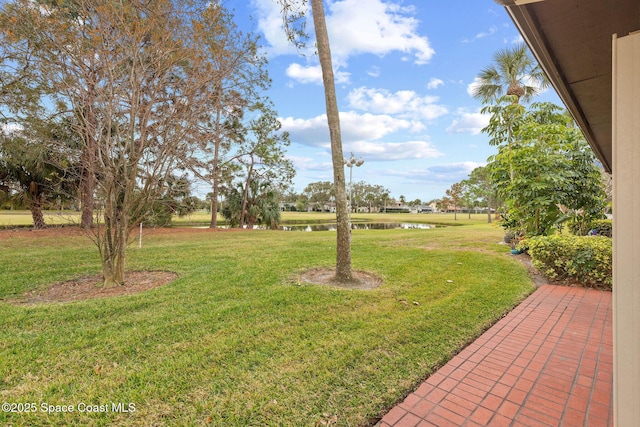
(547, 363)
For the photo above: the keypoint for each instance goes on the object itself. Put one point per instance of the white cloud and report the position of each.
(473, 85)
(374, 71)
(389, 151)
(354, 127)
(309, 164)
(468, 122)
(377, 27)
(305, 74)
(491, 31)
(313, 74)
(404, 102)
(362, 133)
(368, 126)
(355, 27)
(434, 83)
(313, 132)
(447, 174)
(270, 24)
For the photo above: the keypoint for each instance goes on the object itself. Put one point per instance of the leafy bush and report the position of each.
(578, 228)
(159, 215)
(587, 259)
(603, 227)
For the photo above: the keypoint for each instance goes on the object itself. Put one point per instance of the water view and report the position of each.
(357, 226)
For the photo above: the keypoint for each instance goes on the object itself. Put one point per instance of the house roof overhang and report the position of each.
(572, 41)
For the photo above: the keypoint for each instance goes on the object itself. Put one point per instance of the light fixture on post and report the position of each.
(350, 164)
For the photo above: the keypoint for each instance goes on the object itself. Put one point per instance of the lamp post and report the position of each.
(350, 164)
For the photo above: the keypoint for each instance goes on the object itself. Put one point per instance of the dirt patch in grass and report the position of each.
(326, 277)
(88, 287)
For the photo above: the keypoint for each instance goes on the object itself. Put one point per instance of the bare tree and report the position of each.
(137, 81)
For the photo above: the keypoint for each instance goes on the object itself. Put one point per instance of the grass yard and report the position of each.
(202, 218)
(236, 340)
(23, 218)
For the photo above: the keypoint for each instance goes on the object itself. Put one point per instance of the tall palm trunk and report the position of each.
(343, 257)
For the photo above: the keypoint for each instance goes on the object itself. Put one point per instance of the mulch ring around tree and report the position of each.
(325, 276)
(88, 287)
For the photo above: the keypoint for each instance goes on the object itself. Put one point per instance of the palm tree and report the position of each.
(515, 72)
(293, 12)
(343, 246)
(29, 166)
(256, 203)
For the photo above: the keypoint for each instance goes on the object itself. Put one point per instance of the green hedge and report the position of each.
(587, 259)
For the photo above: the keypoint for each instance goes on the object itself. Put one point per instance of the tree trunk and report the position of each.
(112, 242)
(87, 187)
(113, 267)
(214, 208)
(245, 195)
(343, 257)
(36, 209)
(88, 178)
(114, 246)
(216, 172)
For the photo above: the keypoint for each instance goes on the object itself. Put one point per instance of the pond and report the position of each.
(354, 226)
(358, 226)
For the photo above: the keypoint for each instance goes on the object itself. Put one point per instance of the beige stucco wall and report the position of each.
(626, 238)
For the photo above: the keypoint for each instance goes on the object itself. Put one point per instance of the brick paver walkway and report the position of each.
(547, 363)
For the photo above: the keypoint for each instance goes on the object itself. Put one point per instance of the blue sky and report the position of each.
(403, 71)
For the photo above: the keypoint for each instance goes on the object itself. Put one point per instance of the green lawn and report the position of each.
(22, 218)
(236, 340)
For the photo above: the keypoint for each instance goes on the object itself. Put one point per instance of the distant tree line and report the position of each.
(318, 196)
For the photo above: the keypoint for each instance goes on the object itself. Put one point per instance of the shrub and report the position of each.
(587, 259)
(603, 227)
(578, 228)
